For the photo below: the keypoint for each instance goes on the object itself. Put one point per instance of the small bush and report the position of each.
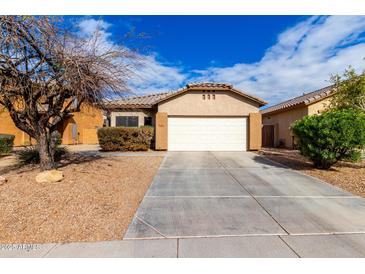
(6, 143)
(125, 139)
(332, 136)
(30, 155)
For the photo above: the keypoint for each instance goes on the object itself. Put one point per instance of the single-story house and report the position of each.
(198, 117)
(78, 128)
(277, 119)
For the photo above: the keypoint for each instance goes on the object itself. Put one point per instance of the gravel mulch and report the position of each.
(95, 201)
(348, 176)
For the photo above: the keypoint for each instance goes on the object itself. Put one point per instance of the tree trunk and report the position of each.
(46, 152)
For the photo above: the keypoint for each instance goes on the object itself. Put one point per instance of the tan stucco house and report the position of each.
(277, 119)
(198, 117)
(78, 128)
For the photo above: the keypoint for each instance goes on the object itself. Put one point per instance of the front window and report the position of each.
(126, 121)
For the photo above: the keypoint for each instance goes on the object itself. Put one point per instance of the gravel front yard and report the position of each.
(348, 176)
(95, 201)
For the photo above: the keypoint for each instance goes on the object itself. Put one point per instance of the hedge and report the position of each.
(125, 138)
(6, 143)
(332, 136)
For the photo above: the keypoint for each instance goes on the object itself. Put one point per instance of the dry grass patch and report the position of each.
(348, 176)
(96, 200)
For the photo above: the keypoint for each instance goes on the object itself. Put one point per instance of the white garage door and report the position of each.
(204, 134)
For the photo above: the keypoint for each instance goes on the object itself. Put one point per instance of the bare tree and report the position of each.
(46, 73)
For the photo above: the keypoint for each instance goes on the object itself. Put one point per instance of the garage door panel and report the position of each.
(199, 134)
(218, 138)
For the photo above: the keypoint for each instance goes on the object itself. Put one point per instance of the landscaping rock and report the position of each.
(2, 180)
(49, 176)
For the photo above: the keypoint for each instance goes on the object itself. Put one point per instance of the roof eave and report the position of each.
(276, 111)
(315, 100)
(306, 102)
(245, 95)
(129, 106)
(258, 100)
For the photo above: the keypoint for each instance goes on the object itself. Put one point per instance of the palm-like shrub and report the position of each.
(332, 136)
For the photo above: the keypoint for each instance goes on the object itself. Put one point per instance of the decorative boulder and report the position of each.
(2, 180)
(49, 176)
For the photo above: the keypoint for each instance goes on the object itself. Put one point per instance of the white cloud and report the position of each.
(154, 76)
(150, 75)
(89, 26)
(303, 59)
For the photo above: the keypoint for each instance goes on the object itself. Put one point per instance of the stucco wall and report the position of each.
(282, 122)
(87, 121)
(191, 103)
(8, 127)
(318, 107)
(255, 132)
(141, 113)
(161, 131)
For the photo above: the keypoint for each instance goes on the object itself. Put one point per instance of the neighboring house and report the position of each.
(81, 127)
(78, 128)
(277, 120)
(199, 117)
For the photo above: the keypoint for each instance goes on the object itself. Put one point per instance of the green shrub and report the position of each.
(30, 154)
(6, 143)
(332, 136)
(125, 138)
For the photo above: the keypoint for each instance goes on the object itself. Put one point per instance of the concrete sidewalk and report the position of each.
(315, 246)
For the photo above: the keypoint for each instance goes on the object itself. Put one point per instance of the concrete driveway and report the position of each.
(239, 204)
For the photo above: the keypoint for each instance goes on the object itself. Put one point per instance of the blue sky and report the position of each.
(199, 41)
(274, 57)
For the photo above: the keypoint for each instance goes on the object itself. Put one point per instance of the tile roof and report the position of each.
(144, 101)
(304, 99)
(147, 101)
(213, 86)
